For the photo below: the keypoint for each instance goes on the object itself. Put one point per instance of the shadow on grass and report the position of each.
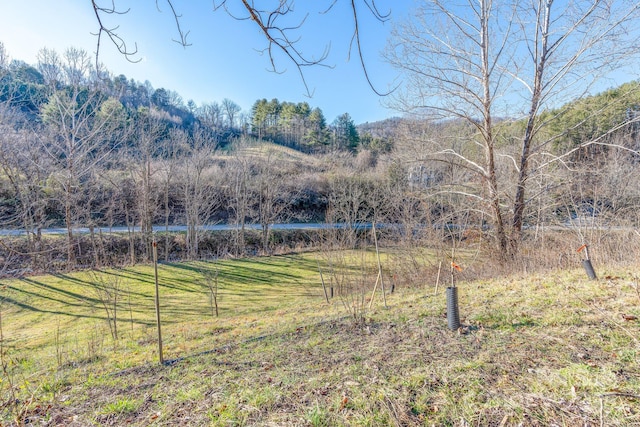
(246, 285)
(165, 279)
(77, 300)
(28, 307)
(73, 295)
(37, 296)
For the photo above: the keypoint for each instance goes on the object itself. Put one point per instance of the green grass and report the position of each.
(35, 308)
(538, 350)
(122, 406)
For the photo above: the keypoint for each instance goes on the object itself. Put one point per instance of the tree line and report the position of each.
(80, 148)
(30, 87)
(508, 69)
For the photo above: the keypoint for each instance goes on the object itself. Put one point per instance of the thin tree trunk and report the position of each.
(519, 199)
(487, 129)
(69, 225)
(131, 234)
(166, 221)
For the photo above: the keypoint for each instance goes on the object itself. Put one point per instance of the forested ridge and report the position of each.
(83, 148)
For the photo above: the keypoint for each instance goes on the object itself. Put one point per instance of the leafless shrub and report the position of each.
(350, 275)
(108, 289)
(210, 282)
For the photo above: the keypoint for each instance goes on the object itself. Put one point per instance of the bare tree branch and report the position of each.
(176, 16)
(280, 37)
(461, 63)
(111, 32)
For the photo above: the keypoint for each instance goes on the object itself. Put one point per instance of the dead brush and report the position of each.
(409, 266)
(551, 250)
(16, 391)
(352, 274)
(209, 282)
(108, 289)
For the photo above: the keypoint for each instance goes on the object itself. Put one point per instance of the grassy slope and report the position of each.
(538, 350)
(285, 156)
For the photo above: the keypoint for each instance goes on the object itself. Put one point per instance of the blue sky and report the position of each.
(224, 60)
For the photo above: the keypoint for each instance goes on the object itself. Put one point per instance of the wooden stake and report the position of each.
(453, 257)
(155, 267)
(384, 296)
(324, 288)
(438, 278)
(375, 287)
(375, 239)
(215, 294)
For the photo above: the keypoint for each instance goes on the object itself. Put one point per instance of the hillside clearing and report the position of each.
(538, 350)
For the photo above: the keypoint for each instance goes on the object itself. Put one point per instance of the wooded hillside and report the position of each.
(81, 148)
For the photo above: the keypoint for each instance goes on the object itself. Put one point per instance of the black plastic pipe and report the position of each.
(453, 313)
(586, 263)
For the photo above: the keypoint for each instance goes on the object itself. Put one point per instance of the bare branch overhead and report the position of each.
(273, 22)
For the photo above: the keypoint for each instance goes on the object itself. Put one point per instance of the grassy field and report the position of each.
(546, 349)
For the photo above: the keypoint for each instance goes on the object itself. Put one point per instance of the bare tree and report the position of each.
(51, 68)
(146, 145)
(76, 67)
(210, 282)
(74, 144)
(26, 170)
(168, 163)
(198, 195)
(238, 171)
(273, 194)
(231, 110)
(212, 115)
(495, 59)
(348, 204)
(108, 290)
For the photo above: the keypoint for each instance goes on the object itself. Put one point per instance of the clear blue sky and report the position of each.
(224, 60)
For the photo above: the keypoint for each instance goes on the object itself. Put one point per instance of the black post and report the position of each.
(586, 263)
(453, 314)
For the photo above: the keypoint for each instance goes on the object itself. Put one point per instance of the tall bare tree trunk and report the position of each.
(540, 56)
(487, 129)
